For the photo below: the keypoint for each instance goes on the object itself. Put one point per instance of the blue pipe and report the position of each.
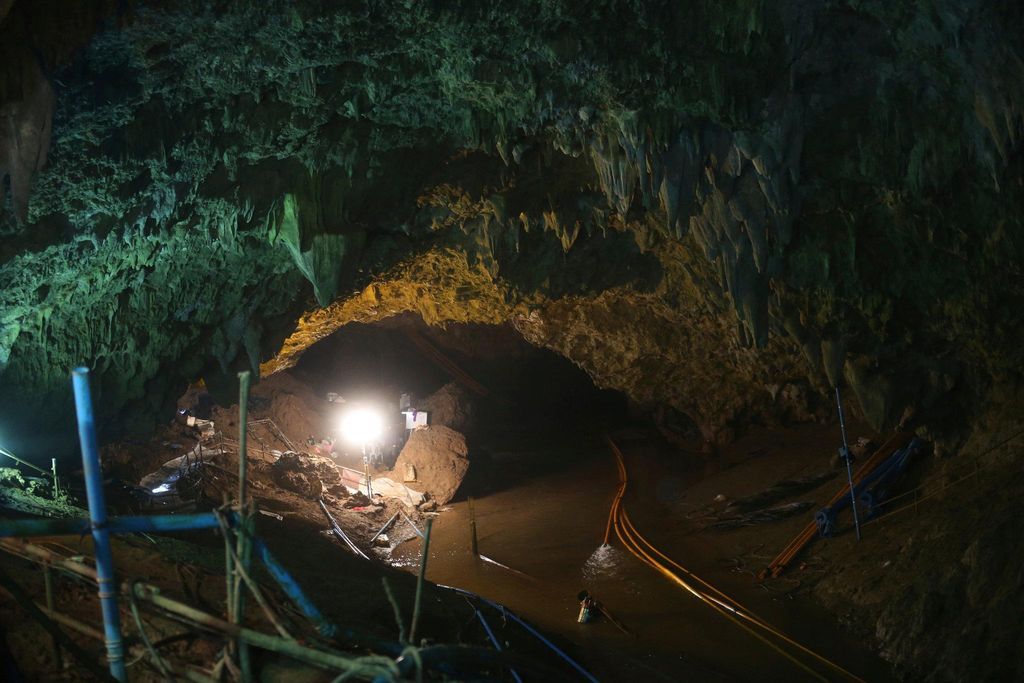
(98, 519)
(290, 586)
(494, 641)
(529, 629)
(294, 591)
(115, 525)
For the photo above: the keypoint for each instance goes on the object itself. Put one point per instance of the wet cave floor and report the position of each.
(541, 493)
(543, 516)
(541, 480)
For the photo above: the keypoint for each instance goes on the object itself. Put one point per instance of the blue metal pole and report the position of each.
(291, 587)
(115, 525)
(845, 453)
(495, 642)
(98, 517)
(505, 612)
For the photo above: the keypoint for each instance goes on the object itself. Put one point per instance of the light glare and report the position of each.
(362, 426)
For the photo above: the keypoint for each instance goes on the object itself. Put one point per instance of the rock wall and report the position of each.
(719, 208)
(746, 198)
(938, 586)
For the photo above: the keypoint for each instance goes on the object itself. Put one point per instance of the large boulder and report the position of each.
(450, 406)
(440, 458)
(306, 475)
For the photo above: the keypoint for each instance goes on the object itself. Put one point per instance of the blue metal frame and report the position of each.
(115, 525)
(101, 528)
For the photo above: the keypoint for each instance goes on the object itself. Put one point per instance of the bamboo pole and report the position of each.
(71, 623)
(229, 570)
(243, 550)
(185, 672)
(243, 416)
(152, 595)
(38, 554)
(267, 642)
(48, 584)
(472, 529)
(419, 581)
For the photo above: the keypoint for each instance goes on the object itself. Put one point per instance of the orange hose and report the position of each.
(645, 551)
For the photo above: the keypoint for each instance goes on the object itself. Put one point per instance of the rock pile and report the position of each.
(451, 406)
(307, 475)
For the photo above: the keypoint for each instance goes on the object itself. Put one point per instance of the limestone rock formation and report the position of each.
(450, 406)
(440, 458)
(776, 203)
(701, 204)
(25, 129)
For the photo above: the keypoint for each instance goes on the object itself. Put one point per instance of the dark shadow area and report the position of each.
(509, 392)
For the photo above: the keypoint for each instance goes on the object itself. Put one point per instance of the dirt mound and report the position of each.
(296, 416)
(306, 475)
(440, 458)
(294, 410)
(450, 406)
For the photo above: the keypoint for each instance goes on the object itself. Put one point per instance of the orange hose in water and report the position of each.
(647, 553)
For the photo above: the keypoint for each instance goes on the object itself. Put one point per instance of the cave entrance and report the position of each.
(499, 372)
(481, 389)
(484, 381)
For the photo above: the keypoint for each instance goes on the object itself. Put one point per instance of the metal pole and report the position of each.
(419, 582)
(845, 453)
(366, 474)
(98, 518)
(12, 456)
(56, 485)
(472, 529)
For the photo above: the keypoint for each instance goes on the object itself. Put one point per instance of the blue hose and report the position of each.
(529, 629)
(288, 584)
(494, 640)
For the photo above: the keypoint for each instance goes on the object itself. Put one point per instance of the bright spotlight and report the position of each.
(362, 426)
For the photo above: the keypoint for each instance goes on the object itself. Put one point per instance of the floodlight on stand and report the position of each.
(362, 426)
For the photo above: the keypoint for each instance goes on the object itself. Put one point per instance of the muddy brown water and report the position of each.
(546, 518)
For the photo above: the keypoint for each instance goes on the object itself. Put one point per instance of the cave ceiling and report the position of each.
(724, 209)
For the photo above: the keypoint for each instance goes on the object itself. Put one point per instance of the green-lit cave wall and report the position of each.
(721, 207)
